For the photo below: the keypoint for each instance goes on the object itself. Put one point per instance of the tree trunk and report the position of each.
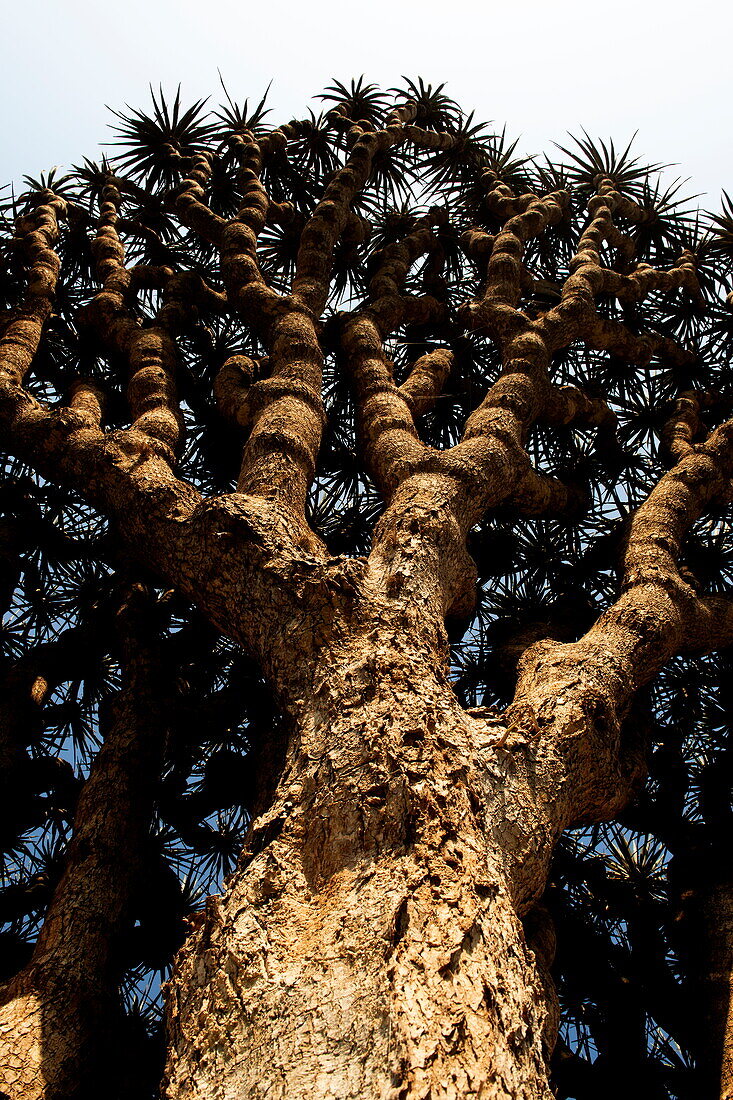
(369, 944)
(61, 1020)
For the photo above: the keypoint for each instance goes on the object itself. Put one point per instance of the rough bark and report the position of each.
(370, 944)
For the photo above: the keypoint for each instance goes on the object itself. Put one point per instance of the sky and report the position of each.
(543, 69)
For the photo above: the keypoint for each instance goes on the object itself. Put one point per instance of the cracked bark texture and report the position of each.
(371, 941)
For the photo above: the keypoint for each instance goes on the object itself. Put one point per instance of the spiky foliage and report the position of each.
(618, 892)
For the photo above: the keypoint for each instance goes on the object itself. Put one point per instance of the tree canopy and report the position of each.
(129, 306)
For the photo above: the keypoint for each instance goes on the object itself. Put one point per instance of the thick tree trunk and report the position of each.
(369, 944)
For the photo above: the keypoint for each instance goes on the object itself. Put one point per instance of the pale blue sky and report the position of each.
(662, 68)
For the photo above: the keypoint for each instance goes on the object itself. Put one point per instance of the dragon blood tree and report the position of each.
(364, 531)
